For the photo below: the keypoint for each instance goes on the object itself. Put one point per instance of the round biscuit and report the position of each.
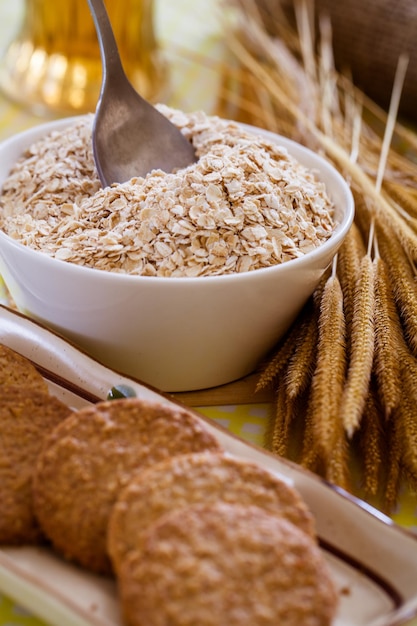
(204, 477)
(226, 565)
(15, 369)
(88, 460)
(26, 417)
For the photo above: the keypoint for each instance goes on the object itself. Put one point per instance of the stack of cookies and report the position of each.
(144, 492)
(212, 540)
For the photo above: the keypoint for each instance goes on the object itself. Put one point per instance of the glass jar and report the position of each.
(53, 65)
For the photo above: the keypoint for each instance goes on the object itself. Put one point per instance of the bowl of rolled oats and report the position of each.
(184, 280)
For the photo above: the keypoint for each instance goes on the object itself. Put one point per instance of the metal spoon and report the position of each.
(130, 137)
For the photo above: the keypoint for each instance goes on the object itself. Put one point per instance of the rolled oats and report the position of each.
(245, 204)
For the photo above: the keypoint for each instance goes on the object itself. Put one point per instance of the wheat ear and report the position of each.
(336, 467)
(277, 363)
(310, 456)
(405, 197)
(388, 336)
(349, 260)
(372, 443)
(301, 364)
(393, 482)
(362, 349)
(402, 278)
(278, 435)
(402, 432)
(329, 374)
(407, 407)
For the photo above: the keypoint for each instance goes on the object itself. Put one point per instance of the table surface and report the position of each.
(183, 25)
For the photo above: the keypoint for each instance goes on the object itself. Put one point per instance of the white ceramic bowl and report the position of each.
(176, 334)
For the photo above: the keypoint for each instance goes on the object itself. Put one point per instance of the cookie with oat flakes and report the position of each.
(202, 477)
(226, 565)
(26, 417)
(90, 457)
(15, 369)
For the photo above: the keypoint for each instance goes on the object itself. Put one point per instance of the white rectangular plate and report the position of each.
(373, 561)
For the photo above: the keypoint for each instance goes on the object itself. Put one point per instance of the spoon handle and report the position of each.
(108, 47)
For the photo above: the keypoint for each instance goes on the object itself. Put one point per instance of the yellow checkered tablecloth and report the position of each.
(181, 25)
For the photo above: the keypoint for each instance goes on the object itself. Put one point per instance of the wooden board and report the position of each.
(242, 391)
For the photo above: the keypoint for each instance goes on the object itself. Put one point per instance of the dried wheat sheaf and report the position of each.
(344, 376)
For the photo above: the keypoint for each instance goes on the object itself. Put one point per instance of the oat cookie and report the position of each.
(226, 565)
(15, 369)
(90, 457)
(26, 417)
(204, 477)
